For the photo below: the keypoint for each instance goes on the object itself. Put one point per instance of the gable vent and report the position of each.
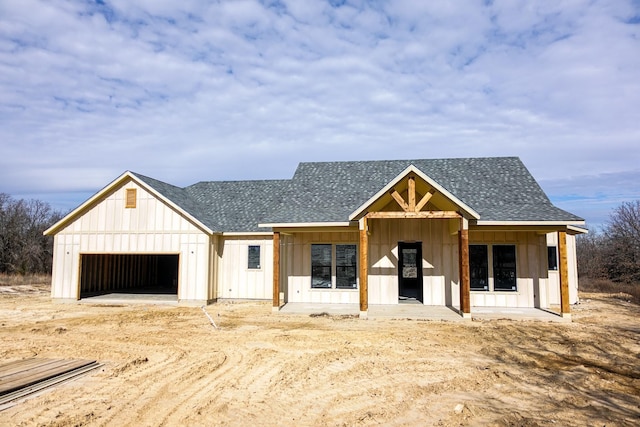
(131, 198)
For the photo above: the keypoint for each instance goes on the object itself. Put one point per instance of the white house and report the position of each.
(464, 233)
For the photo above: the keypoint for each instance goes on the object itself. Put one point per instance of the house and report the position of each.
(463, 233)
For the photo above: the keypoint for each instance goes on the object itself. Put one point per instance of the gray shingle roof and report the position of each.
(224, 206)
(498, 188)
(237, 206)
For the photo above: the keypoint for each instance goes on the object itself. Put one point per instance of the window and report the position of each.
(479, 267)
(321, 266)
(333, 265)
(130, 202)
(492, 270)
(253, 256)
(346, 266)
(504, 268)
(552, 258)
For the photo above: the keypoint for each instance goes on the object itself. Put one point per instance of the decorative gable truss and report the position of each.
(410, 208)
(413, 194)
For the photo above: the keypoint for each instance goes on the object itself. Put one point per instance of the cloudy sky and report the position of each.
(190, 90)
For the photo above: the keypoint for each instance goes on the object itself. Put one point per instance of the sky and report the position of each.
(187, 91)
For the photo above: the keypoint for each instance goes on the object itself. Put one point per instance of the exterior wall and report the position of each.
(531, 270)
(440, 264)
(235, 279)
(296, 250)
(554, 278)
(150, 227)
(439, 259)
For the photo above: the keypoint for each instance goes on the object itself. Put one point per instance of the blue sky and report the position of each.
(189, 90)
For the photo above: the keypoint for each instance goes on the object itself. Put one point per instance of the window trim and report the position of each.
(490, 267)
(334, 268)
(259, 266)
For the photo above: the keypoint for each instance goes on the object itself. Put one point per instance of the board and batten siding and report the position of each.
(531, 274)
(554, 278)
(236, 280)
(152, 227)
(296, 251)
(439, 259)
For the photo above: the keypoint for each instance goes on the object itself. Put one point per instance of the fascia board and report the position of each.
(246, 233)
(306, 224)
(542, 223)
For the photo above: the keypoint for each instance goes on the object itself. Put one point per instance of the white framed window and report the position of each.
(253, 257)
(334, 266)
(493, 268)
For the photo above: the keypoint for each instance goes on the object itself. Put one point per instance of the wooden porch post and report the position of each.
(276, 271)
(565, 309)
(463, 262)
(364, 268)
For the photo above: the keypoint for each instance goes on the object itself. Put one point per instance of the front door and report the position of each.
(410, 271)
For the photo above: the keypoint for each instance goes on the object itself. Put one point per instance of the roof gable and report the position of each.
(169, 194)
(429, 188)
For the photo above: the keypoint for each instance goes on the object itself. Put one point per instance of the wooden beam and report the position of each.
(563, 270)
(417, 215)
(398, 198)
(276, 271)
(364, 268)
(422, 203)
(412, 193)
(463, 262)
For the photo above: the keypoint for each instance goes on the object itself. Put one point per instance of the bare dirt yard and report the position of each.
(169, 366)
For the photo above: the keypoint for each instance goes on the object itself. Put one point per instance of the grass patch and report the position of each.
(626, 291)
(27, 279)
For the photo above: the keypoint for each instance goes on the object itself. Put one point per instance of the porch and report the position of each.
(424, 312)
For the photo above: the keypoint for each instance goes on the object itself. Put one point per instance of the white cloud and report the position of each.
(195, 90)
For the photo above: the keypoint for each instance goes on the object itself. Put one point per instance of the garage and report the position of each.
(128, 273)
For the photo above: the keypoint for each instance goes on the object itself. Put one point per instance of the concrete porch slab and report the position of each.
(424, 312)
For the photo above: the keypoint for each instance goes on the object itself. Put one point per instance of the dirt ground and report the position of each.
(170, 366)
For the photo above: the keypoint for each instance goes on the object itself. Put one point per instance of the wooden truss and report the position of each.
(411, 209)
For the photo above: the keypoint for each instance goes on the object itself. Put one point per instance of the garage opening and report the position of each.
(132, 274)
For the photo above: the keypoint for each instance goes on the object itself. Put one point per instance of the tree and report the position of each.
(622, 249)
(590, 255)
(23, 248)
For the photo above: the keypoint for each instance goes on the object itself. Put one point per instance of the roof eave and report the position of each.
(541, 223)
(308, 224)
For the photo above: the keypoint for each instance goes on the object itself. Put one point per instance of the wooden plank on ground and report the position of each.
(23, 373)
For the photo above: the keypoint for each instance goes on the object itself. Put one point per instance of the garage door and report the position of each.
(140, 273)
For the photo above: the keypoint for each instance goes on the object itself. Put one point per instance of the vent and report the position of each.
(131, 198)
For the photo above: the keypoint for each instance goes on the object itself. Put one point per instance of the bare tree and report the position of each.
(590, 255)
(622, 251)
(23, 248)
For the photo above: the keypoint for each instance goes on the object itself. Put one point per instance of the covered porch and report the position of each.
(415, 213)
